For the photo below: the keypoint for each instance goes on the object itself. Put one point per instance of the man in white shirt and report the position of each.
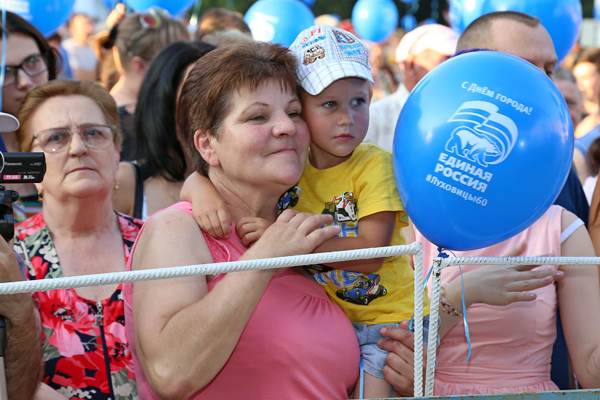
(82, 59)
(419, 52)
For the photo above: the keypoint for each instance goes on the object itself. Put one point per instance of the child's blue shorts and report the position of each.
(374, 357)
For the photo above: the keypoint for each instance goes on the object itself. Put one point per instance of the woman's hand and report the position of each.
(400, 368)
(500, 285)
(293, 233)
(116, 16)
(250, 229)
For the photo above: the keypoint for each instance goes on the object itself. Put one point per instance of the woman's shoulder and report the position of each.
(175, 221)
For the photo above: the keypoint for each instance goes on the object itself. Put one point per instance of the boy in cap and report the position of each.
(353, 182)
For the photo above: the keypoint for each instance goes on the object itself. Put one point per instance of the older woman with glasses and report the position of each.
(85, 346)
(139, 38)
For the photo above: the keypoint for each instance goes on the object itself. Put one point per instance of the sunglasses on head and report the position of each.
(152, 19)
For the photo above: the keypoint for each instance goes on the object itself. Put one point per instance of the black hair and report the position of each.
(16, 24)
(159, 151)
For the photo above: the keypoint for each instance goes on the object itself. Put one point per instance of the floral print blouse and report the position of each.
(85, 346)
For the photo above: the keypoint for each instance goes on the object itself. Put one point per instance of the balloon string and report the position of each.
(3, 65)
(464, 307)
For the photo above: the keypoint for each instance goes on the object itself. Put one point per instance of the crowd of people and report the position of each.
(166, 147)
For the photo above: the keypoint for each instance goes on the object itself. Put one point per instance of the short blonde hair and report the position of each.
(67, 87)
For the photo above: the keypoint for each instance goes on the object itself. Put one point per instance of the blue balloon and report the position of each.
(408, 22)
(46, 16)
(463, 12)
(482, 148)
(409, 1)
(174, 7)
(278, 21)
(110, 3)
(430, 21)
(562, 18)
(309, 3)
(375, 20)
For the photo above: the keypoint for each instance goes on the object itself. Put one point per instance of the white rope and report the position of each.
(433, 327)
(415, 249)
(418, 322)
(204, 269)
(451, 261)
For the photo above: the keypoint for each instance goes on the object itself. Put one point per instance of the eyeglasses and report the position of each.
(58, 140)
(33, 65)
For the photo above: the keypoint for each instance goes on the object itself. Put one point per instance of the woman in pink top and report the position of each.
(255, 334)
(512, 322)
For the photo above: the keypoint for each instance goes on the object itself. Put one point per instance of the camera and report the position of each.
(17, 168)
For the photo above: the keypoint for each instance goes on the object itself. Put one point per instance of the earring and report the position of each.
(41, 197)
(117, 185)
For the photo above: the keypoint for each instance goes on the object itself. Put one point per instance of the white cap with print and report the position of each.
(326, 54)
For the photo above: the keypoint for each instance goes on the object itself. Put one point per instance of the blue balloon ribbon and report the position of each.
(462, 280)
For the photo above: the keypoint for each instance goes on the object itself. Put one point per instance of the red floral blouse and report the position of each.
(85, 346)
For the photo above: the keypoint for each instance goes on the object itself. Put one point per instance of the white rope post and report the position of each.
(433, 325)
(418, 322)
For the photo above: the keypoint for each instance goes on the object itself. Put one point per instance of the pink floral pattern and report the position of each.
(74, 347)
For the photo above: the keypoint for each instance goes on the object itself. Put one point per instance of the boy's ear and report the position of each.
(204, 144)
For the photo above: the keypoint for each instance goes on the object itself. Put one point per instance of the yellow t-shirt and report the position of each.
(361, 186)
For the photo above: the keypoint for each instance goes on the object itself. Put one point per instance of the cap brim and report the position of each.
(8, 123)
(316, 81)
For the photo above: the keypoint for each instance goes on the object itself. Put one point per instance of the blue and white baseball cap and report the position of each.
(326, 54)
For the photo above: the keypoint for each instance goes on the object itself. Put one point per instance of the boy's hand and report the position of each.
(213, 219)
(250, 229)
(216, 222)
(208, 206)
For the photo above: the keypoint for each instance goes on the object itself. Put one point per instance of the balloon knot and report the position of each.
(441, 253)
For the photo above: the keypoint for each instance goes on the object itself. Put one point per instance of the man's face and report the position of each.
(573, 98)
(588, 80)
(417, 66)
(531, 44)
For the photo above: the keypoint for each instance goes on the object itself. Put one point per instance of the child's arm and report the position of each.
(375, 230)
(250, 229)
(207, 206)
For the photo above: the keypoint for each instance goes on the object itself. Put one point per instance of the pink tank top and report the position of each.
(511, 345)
(296, 345)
